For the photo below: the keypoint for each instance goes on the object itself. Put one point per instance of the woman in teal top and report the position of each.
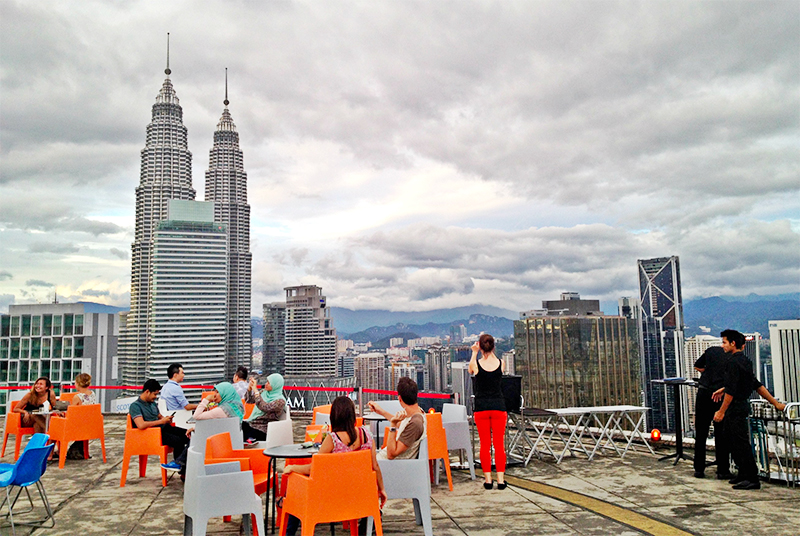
(226, 403)
(270, 406)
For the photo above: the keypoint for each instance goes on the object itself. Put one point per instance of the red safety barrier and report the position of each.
(420, 395)
(286, 388)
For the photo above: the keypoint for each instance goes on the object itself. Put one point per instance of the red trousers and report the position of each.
(492, 431)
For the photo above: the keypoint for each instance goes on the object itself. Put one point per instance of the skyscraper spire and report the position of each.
(167, 71)
(226, 186)
(225, 102)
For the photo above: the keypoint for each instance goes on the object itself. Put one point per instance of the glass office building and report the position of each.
(572, 361)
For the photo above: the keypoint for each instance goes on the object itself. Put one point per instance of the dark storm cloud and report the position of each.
(95, 293)
(49, 216)
(37, 283)
(120, 254)
(422, 262)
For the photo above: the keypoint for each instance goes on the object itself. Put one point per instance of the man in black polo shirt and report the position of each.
(711, 365)
(739, 383)
(144, 414)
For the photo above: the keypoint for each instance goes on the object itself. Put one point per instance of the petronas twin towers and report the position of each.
(166, 174)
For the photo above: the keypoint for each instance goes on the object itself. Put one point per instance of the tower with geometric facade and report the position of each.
(661, 337)
(226, 187)
(165, 173)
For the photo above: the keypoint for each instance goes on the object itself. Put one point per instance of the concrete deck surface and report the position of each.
(605, 496)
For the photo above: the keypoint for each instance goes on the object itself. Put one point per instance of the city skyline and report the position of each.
(496, 153)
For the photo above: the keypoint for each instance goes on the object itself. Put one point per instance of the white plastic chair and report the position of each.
(323, 418)
(180, 417)
(278, 433)
(410, 479)
(203, 429)
(456, 426)
(216, 490)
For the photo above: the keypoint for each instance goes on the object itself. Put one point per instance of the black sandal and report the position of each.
(488, 485)
(501, 485)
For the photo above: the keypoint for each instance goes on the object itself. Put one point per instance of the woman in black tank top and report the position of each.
(490, 409)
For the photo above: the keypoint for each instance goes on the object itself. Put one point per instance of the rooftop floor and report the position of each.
(605, 496)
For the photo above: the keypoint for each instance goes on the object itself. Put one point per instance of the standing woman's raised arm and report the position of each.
(473, 362)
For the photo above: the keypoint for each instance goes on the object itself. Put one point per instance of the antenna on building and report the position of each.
(167, 71)
(225, 102)
(55, 296)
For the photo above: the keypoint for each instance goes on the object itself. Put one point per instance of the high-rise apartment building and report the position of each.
(188, 292)
(226, 187)
(509, 362)
(370, 370)
(693, 349)
(401, 370)
(345, 366)
(661, 337)
(437, 361)
(165, 173)
(752, 349)
(568, 361)
(60, 341)
(462, 384)
(274, 338)
(310, 341)
(784, 336)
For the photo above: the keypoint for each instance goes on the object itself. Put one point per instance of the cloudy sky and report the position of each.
(416, 155)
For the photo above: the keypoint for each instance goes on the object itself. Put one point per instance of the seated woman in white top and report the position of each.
(84, 396)
(223, 402)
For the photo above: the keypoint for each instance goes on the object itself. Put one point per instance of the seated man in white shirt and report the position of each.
(172, 392)
(240, 381)
(407, 427)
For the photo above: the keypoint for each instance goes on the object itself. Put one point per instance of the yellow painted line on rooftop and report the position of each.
(635, 520)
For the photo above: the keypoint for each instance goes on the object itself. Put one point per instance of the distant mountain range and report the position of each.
(348, 321)
(745, 313)
(475, 324)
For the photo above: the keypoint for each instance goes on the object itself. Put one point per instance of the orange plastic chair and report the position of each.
(14, 426)
(143, 443)
(437, 443)
(248, 410)
(320, 409)
(67, 397)
(341, 487)
(80, 423)
(219, 450)
(206, 394)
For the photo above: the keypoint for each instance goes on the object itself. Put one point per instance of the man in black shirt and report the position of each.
(739, 383)
(711, 365)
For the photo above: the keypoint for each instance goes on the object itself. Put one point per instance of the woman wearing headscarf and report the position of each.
(226, 403)
(270, 405)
